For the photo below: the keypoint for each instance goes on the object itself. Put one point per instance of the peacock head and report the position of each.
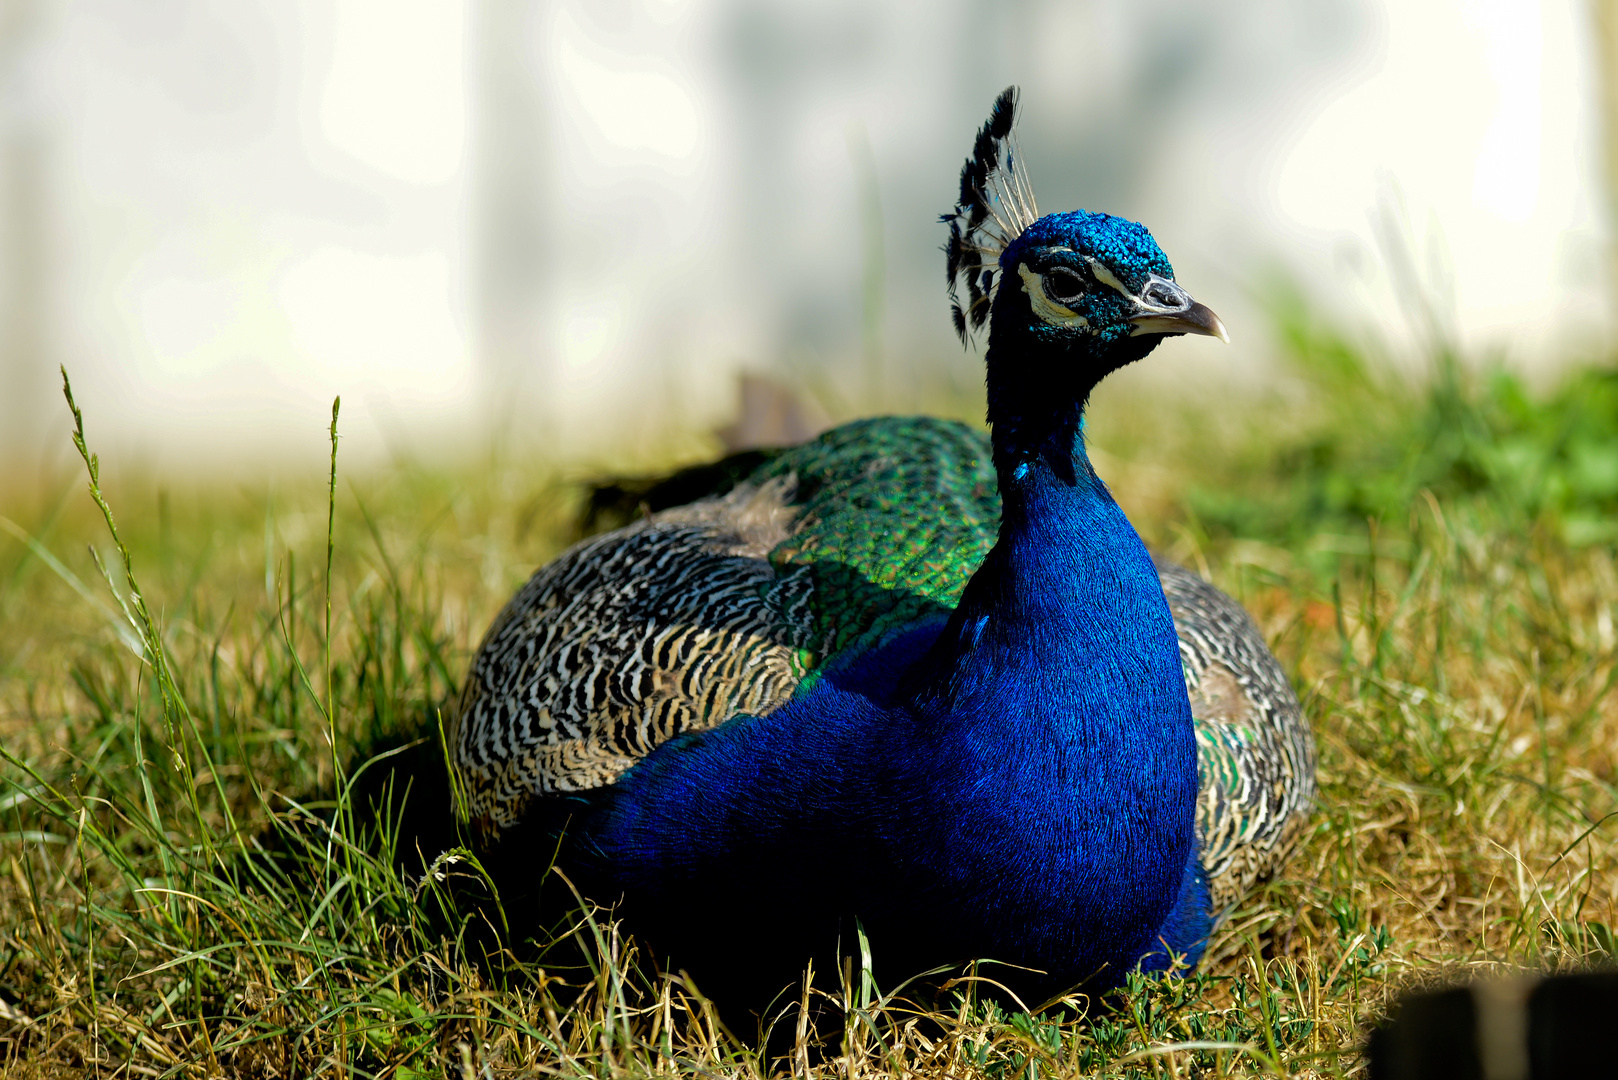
(1084, 278)
(1068, 297)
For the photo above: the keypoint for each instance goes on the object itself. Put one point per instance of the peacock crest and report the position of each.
(996, 205)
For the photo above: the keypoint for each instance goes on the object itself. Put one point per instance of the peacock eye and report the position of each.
(1063, 285)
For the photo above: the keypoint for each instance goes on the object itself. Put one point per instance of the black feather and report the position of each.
(985, 155)
(1000, 118)
(972, 203)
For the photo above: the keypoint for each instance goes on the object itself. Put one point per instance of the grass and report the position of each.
(204, 695)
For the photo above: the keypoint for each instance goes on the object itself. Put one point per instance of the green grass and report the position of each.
(193, 880)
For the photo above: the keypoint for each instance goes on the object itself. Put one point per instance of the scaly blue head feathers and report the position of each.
(1084, 272)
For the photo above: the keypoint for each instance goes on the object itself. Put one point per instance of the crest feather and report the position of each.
(996, 205)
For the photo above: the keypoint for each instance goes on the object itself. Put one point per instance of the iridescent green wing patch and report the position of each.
(895, 516)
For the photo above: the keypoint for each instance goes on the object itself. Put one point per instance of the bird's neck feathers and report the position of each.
(1067, 606)
(1039, 380)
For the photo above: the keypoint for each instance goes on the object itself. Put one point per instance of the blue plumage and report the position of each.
(764, 729)
(1021, 789)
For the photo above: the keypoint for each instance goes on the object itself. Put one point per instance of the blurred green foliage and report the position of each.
(1478, 439)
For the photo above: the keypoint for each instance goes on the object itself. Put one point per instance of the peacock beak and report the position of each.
(1195, 318)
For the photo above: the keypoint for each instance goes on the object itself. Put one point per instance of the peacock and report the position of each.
(907, 681)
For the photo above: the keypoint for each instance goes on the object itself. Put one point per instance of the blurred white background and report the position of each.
(574, 222)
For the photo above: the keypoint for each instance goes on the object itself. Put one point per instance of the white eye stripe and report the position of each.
(1169, 299)
(1107, 277)
(1047, 309)
(1143, 300)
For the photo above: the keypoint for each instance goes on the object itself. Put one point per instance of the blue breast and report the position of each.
(1016, 782)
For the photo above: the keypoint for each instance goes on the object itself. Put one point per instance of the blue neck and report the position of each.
(1067, 606)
